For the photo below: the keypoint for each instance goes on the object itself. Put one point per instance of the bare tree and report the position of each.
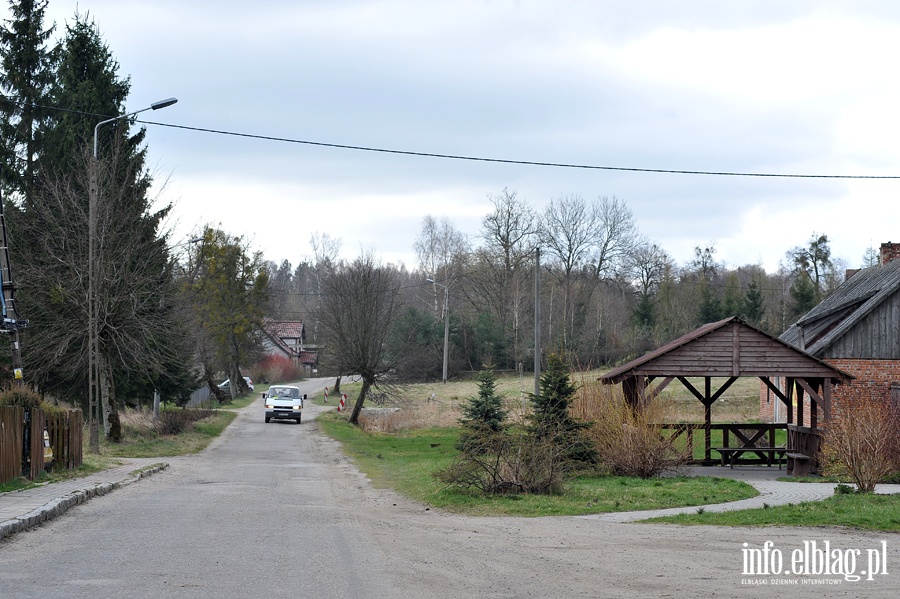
(498, 279)
(439, 249)
(567, 234)
(325, 252)
(647, 264)
(363, 303)
(509, 230)
(616, 235)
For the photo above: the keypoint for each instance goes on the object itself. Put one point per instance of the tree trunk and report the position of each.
(112, 426)
(357, 407)
(337, 386)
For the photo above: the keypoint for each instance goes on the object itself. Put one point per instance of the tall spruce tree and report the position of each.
(25, 77)
(141, 339)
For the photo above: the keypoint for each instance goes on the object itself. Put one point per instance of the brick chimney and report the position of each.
(889, 251)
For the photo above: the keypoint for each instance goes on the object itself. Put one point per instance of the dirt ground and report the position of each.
(430, 553)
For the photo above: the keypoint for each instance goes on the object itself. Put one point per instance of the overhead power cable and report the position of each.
(517, 162)
(480, 158)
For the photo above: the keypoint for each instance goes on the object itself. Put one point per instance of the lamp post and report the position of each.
(93, 303)
(446, 323)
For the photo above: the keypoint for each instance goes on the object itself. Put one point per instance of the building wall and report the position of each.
(874, 378)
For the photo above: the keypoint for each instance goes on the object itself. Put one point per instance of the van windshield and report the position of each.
(284, 392)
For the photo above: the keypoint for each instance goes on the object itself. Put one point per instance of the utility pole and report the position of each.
(537, 322)
(10, 323)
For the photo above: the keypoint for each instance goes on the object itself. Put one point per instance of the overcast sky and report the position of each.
(782, 87)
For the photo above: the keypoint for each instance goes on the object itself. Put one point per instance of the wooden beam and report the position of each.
(723, 388)
(691, 388)
(775, 390)
(653, 393)
(735, 349)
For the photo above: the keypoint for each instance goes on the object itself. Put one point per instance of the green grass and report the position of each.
(405, 462)
(865, 511)
(147, 443)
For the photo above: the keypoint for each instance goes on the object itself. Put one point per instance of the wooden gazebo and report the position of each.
(730, 349)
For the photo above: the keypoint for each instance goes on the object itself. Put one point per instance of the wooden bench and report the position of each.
(798, 464)
(731, 454)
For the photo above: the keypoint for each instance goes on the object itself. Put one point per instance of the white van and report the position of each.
(284, 402)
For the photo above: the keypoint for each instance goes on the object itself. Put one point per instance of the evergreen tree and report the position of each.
(551, 419)
(486, 409)
(803, 295)
(754, 309)
(142, 340)
(732, 302)
(25, 76)
(710, 307)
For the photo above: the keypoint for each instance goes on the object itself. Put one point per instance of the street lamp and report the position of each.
(446, 322)
(93, 303)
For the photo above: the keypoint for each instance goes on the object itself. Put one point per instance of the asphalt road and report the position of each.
(254, 516)
(275, 510)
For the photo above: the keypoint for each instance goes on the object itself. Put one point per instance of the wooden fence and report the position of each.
(65, 430)
(12, 444)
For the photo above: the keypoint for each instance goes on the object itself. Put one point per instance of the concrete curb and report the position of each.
(59, 506)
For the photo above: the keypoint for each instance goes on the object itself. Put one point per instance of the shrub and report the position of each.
(174, 422)
(863, 444)
(509, 461)
(21, 396)
(275, 369)
(630, 439)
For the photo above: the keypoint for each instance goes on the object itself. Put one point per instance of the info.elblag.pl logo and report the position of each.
(814, 558)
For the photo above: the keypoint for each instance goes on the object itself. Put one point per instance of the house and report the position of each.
(857, 330)
(287, 339)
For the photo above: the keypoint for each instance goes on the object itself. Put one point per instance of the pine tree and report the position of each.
(551, 419)
(25, 76)
(486, 409)
(754, 309)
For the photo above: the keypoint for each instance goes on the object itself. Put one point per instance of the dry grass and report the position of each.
(437, 404)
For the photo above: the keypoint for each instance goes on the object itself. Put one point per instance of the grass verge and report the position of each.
(865, 511)
(405, 462)
(143, 441)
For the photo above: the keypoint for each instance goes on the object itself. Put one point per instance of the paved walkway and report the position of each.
(771, 492)
(20, 510)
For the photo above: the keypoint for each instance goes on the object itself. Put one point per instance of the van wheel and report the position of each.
(299, 420)
(267, 419)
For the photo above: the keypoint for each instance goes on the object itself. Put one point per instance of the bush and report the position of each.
(275, 369)
(863, 444)
(510, 461)
(630, 440)
(21, 396)
(174, 422)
